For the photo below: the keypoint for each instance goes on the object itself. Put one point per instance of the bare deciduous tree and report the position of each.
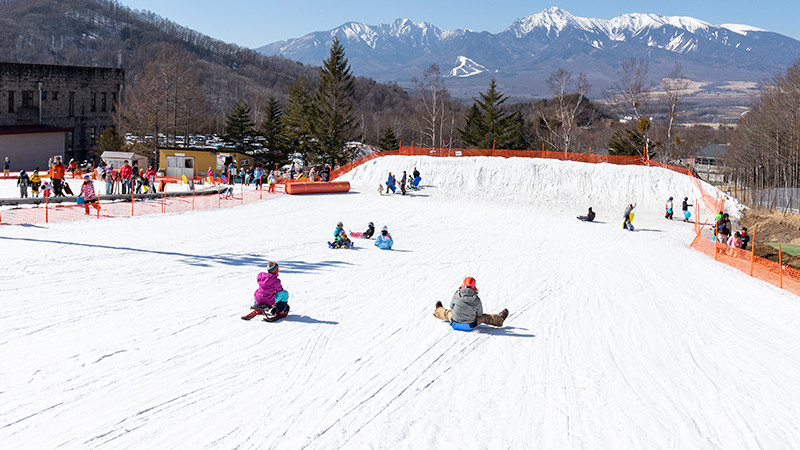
(569, 101)
(675, 89)
(630, 96)
(433, 98)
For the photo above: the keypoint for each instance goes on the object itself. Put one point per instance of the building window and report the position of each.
(103, 97)
(11, 101)
(27, 99)
(94, 102)
(92, 135)
(71, 104)
(113, 101)
(55, 95)
(44, 95)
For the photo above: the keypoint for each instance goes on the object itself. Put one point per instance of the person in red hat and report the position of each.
(467, 309)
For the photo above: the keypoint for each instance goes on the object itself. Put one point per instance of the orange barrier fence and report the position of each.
(772, 272)
(317, 187)
(220, 196)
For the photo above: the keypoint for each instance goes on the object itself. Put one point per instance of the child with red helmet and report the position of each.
(466, 309)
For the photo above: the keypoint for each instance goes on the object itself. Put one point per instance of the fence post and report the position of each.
(192, 196)
(131, 198)
(753, 253)
(219, 196)
(780, 263)
(716, 249)
(241, 185)
(47, 209)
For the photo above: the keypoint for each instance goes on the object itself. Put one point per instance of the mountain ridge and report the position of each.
(522, 56)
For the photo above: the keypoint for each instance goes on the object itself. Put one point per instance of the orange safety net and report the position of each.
(66, 212)
(784, 277)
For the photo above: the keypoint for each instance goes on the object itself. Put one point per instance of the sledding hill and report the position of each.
(126, 332)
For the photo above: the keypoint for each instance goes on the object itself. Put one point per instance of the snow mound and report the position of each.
(559, 185)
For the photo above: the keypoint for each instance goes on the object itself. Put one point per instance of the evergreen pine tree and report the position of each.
(274, 151)
(110, 142)
(333, 121)
(488, 125)
(239, 126)
(389, 140)
(296, 134)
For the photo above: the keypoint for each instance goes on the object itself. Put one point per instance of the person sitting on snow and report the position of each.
(340, 237)
(270, 298)
(466, 308)
(384, 240)
(588, 217)
(367, 234)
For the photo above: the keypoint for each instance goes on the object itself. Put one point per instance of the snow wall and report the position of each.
(558, 185)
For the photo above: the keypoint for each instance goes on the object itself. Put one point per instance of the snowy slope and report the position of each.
(125, 333)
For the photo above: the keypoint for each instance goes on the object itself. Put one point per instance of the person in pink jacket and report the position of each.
(270, 297)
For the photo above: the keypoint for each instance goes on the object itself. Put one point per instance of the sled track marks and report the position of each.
(421, 372)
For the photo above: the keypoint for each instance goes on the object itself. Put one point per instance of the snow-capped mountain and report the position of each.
(522, 56)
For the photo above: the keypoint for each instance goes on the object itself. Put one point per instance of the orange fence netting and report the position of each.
(219, 196)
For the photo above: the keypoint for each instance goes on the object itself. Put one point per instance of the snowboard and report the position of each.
(66, 187)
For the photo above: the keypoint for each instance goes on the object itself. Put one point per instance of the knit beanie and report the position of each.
(272, 267)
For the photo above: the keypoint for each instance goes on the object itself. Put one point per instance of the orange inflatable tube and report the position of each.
(317, 187)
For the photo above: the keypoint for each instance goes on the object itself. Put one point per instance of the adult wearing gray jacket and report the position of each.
(627, 219)
(467, 308)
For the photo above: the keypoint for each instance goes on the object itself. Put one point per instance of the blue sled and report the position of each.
(458, 326)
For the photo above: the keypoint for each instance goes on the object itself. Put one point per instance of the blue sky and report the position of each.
(253, 23)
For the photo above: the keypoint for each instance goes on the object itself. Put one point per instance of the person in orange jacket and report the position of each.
(57, 171)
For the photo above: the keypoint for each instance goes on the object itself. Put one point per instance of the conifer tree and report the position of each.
(297, 125)
(239, 126)
(333, 121)
(488, 126)
(110, 141)
(388, 140)
(274, 151)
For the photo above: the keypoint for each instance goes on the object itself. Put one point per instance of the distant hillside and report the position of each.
(107, 33)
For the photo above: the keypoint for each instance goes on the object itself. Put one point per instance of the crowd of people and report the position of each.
(405, 182)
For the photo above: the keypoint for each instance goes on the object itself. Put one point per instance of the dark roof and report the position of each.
(713, 151)
(30, 129)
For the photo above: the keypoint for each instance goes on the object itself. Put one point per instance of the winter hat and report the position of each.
(384, 228)
(272, 267)
(670, 198)
(468, 283)
(86, 177)
(339, 224)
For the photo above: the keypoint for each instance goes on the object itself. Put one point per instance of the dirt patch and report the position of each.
(773, 226)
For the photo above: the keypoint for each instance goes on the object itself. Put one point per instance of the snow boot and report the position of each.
(439, 305)
(504, 314)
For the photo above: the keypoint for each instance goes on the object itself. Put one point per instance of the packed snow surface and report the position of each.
(125, 333)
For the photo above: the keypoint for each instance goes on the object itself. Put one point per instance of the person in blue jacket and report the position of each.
(390, 183)
(384, 240)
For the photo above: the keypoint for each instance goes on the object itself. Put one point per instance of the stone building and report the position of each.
(41, 98)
